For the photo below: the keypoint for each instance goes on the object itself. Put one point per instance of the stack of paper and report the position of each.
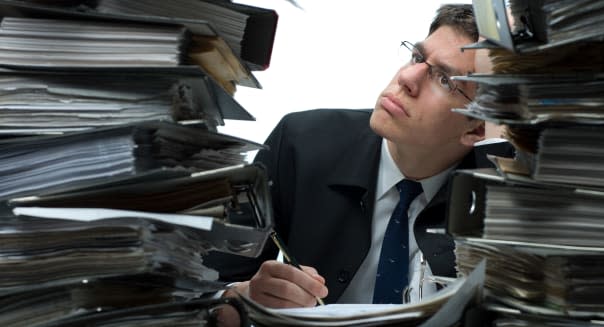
(116, 186)
(233, 201)
(116, 40)
(510, 272)
(525, 25)
(30, 165)
(248, 30)
(508, 317)
(103, 264)
(538, 98)
(538, 221)
(572, 21)
(542, 215)
(35, 104)
(571, 155)
(230, 24)
(52, 42)
(543, 242)
(98, 266)
(563, 280)
(71, 251)
(190, 313)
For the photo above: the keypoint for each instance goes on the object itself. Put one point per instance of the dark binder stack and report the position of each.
(249, 31)
(115, 182)
(538, 219)
(173, 40)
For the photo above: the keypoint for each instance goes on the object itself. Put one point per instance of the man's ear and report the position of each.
(474, 133)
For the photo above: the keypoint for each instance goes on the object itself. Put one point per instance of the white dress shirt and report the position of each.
(360, 289)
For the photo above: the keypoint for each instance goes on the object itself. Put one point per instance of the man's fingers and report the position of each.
(304, 280)
(280, 293)
(282, 286)
(314, 274)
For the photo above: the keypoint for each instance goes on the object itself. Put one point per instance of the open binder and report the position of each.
(249, 31)
(486, 205)
(542, 242)
(537, 220)
(34, 165)
(235, 199)
(41, 101)
(196, 312)
(201, 45)
(116, 187)
(141, 262)
(94, 304)
(444, 308)
(528, 25)
(540, 98)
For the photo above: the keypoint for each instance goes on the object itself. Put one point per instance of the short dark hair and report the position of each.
(458, 16)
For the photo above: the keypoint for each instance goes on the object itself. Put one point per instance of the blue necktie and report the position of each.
(393, 268)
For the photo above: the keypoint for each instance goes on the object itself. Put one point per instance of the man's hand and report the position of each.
(279, 285)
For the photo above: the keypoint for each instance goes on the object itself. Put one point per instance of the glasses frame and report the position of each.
(421, 59)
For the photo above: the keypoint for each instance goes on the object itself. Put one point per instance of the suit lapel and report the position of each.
(353, 177)
(355, 172)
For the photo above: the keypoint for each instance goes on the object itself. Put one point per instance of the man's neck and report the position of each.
(420, 164)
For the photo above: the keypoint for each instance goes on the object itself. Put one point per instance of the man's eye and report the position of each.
(416, 58)
(443, 80)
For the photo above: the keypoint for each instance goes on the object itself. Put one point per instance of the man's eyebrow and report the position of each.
(449, 70)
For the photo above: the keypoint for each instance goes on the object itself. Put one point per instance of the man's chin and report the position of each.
(374, 121)
(378, 121)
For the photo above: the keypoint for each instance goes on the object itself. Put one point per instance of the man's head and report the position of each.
(459, 17)
(414, 111)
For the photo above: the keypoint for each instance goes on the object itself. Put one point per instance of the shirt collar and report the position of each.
(389, 175)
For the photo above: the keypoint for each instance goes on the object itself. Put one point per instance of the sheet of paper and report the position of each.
(92, 214)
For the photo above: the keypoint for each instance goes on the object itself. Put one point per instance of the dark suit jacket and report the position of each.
(323, 165)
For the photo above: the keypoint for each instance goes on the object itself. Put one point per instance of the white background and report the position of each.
(330, 54)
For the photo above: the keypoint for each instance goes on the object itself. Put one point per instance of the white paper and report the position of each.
(92, 214)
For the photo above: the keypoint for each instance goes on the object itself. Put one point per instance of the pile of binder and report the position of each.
(136, 34)
(116, 183)
(248, 30)
(538, 219)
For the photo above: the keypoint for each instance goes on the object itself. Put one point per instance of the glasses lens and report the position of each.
(408, 53)
(404, 54)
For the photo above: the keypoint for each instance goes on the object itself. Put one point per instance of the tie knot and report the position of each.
(408, 190)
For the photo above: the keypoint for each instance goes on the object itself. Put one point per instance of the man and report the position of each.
(334, 172)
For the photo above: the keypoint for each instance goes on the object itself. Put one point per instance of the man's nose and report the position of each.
(411, 77)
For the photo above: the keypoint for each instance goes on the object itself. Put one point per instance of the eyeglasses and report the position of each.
(436, 74)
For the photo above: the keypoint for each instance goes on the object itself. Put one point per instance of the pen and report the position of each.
(291, 260)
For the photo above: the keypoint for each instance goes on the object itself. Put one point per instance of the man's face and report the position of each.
(414, 110)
